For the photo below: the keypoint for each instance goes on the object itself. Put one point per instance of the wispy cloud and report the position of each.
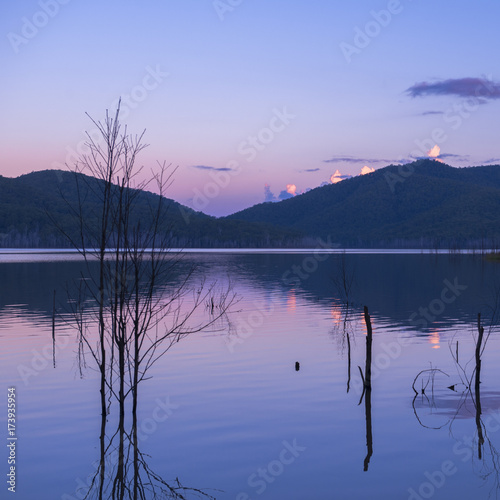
(451, 155)
(435, 154)
(310, 170)
(427, 113)
(480, 88)
(216, 169)
(353, 159)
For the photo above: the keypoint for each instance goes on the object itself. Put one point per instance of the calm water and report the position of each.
(227, 411)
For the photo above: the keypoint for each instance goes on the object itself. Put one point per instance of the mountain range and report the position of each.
(422, 204)
(36, 206)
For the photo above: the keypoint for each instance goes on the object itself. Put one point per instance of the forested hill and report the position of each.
(422, 204)
(425, 203)
(33, 205)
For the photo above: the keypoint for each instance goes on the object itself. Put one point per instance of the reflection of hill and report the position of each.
(393, 286)
(31, 285)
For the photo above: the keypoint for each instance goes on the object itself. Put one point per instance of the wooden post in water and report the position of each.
(368, 364)
(54, 329)
(348, 362)
(477, 390)
(368, 391)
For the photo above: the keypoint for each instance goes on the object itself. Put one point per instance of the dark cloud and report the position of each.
(480, 88)
(340, 176)
(284, 195)
(310, 170)
(451, 155)
(352, 159)
(216, 169)
(440, 156)
(289, 192)
(268, 195)
(492, 160)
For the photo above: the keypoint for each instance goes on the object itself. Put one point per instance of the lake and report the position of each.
(268, 402)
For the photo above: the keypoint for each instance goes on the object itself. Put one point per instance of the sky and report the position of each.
(251, 100)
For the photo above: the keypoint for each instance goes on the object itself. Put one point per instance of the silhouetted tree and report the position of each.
(135, 305)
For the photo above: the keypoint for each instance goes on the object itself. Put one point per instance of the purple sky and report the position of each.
(244, 93)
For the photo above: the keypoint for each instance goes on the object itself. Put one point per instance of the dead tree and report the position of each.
(135, 316)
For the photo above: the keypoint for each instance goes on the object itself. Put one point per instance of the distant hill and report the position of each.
(33, 205)
(423, 204)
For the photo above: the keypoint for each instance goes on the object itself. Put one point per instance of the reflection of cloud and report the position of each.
(217, 169)
(434, 339)
(480, 88)
(336, 314)
(291, 301)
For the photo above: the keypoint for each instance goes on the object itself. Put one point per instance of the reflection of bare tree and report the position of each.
(346, 334)
(342, 331)
(488, 457)
(129, 296)
(344, 280)
(426, 377)
(123, 471)
(487, 454)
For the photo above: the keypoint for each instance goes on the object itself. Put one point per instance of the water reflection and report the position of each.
(410, 281)
(123, 471)
(284, 382)
(128, 311)
(463, 400)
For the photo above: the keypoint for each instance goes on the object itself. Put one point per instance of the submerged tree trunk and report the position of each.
(368, 390)
(477, 389)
